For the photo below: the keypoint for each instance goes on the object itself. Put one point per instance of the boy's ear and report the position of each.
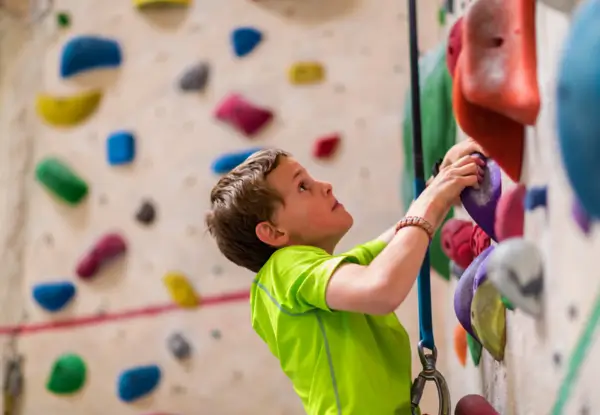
(270, 235)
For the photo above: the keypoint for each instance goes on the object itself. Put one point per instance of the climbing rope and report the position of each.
(578, 358)
(426, 340)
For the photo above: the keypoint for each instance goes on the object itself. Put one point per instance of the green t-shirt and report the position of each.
(340, 363)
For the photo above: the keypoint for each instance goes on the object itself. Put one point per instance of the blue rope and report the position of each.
(424, 279)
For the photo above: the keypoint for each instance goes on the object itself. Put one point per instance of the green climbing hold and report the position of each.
(61, 180)
(68, 375)
(474, 348)
(507, 303)
(63, 19)
(442, 16)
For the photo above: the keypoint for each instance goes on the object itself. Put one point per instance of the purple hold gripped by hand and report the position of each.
(481, 203)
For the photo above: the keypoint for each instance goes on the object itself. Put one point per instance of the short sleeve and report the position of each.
(296, 277)
(365, 253)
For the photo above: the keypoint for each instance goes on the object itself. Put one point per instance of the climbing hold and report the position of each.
(325, 147)
(581, 217)
(247, 118)
(105, 250)
(516, 269)
(488, 316)
(510, 213)
(245, 39)
(481, 203)
(456, 269)
(474, 405)
(463, 296)
(142, 4)
(502, 138)
(67, 111)
(137, 382)
(481, 273)
(499, 58)
(84, 53)
(216, 334)
(120, 148)
(507, 303)
(68, 375)
(578, 97)
(195, 78)
(228, 161)
(474, 349)
(479, 241)
(179, 346)
(181, 290)
(536, 197)
(53, 296)
(456, 237)
(460, 344)
(302, 73)
(61, 180)
(454, 45)
(146, 213)
(63, 19)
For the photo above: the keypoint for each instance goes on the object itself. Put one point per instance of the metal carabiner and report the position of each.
(430, 373)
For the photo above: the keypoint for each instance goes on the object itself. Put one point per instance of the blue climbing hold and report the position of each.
(577, 106)
(245, 39)
(229, 161)
(53, 296)
(120, 148)
(84, 53)
(137, 382)
(536, 197)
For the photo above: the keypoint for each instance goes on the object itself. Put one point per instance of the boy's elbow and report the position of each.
(386, 299)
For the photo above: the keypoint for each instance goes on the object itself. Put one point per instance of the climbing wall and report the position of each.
(538, 326)
(117, 120)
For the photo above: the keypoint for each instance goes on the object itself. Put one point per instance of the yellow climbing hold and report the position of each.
(302, 73)
(488, 317)
(162, 3)
(181, 290)
(66, 111)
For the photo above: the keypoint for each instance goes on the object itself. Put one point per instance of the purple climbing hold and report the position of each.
(463, 296)
(481, 203)
(481, 274)
(581, 217)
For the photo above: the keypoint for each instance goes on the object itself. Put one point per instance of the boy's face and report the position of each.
(311, 215)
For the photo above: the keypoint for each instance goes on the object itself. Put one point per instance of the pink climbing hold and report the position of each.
(456, 241)
(454, 45)
(510, 213)
(480, 241)
(325, 147)
(474, 405)
(109, 247)
(242, 115)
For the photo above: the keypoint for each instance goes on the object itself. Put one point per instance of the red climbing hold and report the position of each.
(107, 248)
(244, 116)
(499, 58)
(326, 146)
(510, 213)
(454, 45)
(474, 405)
(456, 239)
(480, 241)
(502, 138)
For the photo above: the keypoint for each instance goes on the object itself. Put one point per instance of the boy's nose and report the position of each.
(327, 188)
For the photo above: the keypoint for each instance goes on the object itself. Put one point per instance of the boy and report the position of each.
(330, 319)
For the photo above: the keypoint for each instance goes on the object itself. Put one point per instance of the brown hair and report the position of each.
(241, 200)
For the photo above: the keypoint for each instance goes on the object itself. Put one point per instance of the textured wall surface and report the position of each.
(363, 46)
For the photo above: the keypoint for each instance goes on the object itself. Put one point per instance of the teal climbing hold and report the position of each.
(120, 148)
(245, 40)
(578, 92)
(53, 296)
(228, 161)
(84, 53)
(137, 382)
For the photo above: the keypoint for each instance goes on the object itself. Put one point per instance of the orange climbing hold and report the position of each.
(501, 137)
(499, 58)
(460, 344)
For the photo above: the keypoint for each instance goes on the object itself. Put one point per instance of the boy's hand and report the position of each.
(459, 150)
